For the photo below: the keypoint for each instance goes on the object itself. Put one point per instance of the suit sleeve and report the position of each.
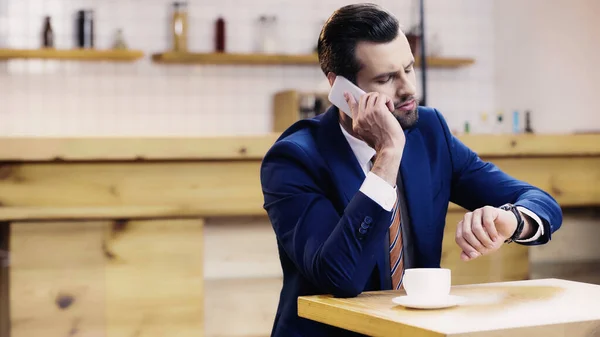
(336, 252)
(476, 183)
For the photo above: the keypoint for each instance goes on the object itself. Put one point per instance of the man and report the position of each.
(355, 201)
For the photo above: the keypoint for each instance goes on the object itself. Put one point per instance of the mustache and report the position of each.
(405, 100)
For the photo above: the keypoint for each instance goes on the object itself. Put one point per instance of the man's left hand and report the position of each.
(484, 230)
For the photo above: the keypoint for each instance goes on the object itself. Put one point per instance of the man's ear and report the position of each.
(331, 78)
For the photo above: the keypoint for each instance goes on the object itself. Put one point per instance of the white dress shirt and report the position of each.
(385, 195)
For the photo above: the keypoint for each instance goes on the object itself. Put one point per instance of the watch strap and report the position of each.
(520, 222)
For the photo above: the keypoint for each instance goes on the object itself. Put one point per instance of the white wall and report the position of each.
(75, 99)
(547, 55)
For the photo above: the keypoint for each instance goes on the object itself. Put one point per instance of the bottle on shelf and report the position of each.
(220, 35)
(499, 127)
(47, 34)
(516, 126)
(528, 128)
(179, 27)
(85, 29)
(484, 126)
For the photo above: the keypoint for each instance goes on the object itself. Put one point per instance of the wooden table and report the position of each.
(548, 307)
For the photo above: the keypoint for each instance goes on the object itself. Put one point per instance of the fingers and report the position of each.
(368, 102)
(489, 216)
(481, 236)
(371, 100)
(462, 243)
(468, 252)
(364, 102)
(361, 110)
(390, 104)
(384, 101)
(476, 234)
(352, 103)
(465, 238)
(464, 256)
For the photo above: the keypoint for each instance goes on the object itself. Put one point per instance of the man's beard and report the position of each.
(408, 119)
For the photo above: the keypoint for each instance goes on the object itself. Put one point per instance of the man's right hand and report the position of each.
(374, 122)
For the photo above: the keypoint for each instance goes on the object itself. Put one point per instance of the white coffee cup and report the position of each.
(427, 282)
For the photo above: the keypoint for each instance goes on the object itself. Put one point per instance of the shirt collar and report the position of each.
(362, 150)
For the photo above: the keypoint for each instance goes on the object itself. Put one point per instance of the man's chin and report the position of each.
(407, 119)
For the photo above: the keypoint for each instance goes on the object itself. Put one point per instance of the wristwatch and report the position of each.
(520, 222)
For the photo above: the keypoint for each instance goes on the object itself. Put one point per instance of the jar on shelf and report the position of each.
(119, 42)
(267, 38)
(179, 26)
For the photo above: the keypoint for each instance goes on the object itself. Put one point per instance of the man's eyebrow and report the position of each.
(388, 74)
(392, 73)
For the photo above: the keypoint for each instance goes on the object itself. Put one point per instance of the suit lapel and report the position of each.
(337, 153)
(416, 177)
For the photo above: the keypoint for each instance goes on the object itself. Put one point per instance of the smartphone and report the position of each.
(336, 95)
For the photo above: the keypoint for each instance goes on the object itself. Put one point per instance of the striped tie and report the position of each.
(396, 256)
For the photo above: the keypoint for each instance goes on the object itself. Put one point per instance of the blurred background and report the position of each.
(533, 55)
(239, 71)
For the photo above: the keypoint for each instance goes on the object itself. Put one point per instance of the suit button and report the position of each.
(364, 225)
(368, 220)
(362, 230)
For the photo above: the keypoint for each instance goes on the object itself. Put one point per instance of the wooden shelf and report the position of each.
(446, 62)
(242, 59)
(72, 54)
(276, 59)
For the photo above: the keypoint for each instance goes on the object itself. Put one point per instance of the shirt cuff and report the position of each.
(540, 230)
(379, 191)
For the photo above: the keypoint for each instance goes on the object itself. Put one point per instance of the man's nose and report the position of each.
(405, 88)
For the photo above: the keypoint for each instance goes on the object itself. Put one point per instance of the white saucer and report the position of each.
(429, 303)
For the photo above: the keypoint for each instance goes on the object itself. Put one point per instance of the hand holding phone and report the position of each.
(336, 95)
(372, 115)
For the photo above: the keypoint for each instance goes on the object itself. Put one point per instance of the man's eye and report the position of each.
(387, 79)
(408, 70)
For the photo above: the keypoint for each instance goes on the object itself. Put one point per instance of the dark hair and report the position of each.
(345, 28)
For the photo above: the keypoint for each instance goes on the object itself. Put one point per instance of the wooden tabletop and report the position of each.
(547, 307)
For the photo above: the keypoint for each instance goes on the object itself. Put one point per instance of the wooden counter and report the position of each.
(254, 147)
(138, 206)
(132, 175)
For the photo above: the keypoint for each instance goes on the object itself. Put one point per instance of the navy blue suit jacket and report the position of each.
(310, 181)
